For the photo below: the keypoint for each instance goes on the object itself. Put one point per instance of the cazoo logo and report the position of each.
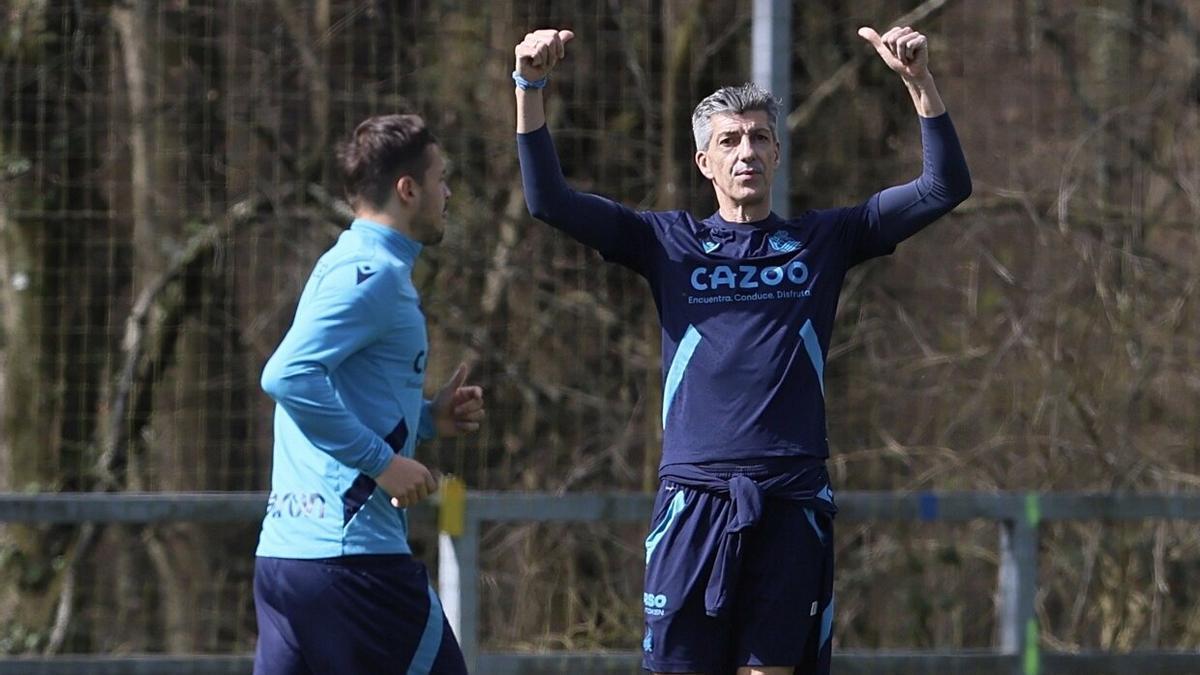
(748, 276)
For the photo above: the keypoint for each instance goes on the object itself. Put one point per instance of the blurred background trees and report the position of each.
(166, 183)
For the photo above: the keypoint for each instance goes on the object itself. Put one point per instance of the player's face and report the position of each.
(429, 225)
(741, 157)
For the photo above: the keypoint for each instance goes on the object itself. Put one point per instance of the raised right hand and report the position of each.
(406, 481)
(903, 49)
(540, 51)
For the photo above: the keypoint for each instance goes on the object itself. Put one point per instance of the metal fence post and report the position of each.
(458, 567)
(467, 552)
(1017, 586)
(449, 582)
(771, 67)
(452, 515)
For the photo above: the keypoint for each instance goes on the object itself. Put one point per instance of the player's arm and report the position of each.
(945, 181)
(605, 225)
(339, 320)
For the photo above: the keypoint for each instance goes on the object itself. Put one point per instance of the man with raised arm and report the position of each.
(336, 588)
(739, 558)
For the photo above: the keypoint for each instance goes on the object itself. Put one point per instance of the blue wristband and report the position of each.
(529, 84)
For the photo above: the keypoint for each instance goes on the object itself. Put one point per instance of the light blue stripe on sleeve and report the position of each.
(813, 346)
(673, 511)
(431, 639)
(683, 354)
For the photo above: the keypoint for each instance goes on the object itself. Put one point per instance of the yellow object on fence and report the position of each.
(452, 513)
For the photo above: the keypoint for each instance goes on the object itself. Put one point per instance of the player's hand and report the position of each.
(540, 51)
(406, 481)
(457, 409)
(903, 49)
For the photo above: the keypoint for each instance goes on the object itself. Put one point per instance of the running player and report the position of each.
(336, 588)
(739, 559)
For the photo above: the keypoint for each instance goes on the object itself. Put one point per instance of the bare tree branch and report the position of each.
(137, 374)
(632, 63)
(313, 73)
(736, 28)
(129, 18)
(803, 114)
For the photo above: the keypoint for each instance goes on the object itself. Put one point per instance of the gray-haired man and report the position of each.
(739, 559)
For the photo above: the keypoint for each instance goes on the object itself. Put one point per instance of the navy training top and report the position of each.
(746, 309)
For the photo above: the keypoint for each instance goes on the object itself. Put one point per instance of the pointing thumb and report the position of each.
(459, 376)
(870, 35)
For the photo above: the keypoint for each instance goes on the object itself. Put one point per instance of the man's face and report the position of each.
(429, 221)
(741, 157)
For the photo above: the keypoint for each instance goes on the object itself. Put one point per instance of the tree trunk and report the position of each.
(54, 346)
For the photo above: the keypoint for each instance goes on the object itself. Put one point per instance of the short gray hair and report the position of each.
(735, 101)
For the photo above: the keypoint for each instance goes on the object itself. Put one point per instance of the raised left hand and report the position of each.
(903, 49)
(457, 409)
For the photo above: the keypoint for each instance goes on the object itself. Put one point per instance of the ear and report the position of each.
(406, 190)
(778, 153)
(702, 164)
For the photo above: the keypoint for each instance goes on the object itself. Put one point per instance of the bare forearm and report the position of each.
(531, 112)
(925, 96)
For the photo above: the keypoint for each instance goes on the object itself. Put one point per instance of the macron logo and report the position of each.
(365, 272)
(710, 246)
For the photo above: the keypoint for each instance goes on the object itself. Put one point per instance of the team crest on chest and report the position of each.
(782, 242)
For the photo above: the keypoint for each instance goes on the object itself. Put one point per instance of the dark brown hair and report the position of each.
(382, 150)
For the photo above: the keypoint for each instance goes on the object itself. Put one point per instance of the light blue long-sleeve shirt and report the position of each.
(347, 380)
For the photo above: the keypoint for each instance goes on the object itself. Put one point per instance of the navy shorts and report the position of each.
(781, 611)
(369, 614)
